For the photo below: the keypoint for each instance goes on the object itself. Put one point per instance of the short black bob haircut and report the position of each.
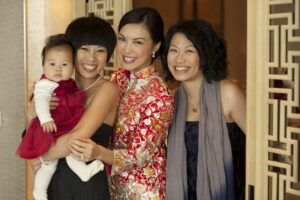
(210, 47)
(91, 31)
(54, 41)
(151, 19)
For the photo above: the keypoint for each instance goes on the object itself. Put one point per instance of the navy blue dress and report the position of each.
(238, 144)
(66, 185)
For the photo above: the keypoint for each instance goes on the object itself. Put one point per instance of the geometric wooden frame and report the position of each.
(273, 91)
(283, 99)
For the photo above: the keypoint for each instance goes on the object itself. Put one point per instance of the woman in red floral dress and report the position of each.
(145, 113)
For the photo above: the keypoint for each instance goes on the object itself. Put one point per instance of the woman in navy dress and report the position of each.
(206, 141)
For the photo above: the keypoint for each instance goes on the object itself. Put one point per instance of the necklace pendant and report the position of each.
(195, 110)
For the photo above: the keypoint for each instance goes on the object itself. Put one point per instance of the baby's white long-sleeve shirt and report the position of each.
(42, 96)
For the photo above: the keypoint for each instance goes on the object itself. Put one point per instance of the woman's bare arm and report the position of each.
(234, 103)
(103, 103)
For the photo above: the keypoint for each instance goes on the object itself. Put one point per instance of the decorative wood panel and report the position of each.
(273, 107)
(283, 98)
(111, 11)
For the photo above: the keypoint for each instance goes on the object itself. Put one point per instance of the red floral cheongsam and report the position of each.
(144, 115)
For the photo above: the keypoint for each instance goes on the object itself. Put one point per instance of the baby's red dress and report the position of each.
(71, 107)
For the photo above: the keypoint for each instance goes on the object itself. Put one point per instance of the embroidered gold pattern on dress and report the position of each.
(118, 160)
(138, 171)
(148, 172)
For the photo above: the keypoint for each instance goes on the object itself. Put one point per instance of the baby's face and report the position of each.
(58, 65)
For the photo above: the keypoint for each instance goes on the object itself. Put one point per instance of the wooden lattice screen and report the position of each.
(273, 129)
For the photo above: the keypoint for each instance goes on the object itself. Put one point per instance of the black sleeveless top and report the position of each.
(238, 144)
(66, 185)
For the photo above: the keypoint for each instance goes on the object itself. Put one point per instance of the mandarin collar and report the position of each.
(143, 73)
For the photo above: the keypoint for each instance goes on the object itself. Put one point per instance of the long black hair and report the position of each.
(151, 19)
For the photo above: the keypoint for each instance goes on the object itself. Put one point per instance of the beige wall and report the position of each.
(36, 34)
(58, 14)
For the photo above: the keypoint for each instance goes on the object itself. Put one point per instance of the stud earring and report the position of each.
(153, 54)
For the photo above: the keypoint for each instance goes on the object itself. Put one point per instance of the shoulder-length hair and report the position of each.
(210, 47)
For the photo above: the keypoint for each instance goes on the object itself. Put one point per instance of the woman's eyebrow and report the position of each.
(139, 39)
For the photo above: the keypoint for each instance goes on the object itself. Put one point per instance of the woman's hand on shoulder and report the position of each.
(234, 103)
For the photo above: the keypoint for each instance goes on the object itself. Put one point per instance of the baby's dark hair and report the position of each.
(54, 41)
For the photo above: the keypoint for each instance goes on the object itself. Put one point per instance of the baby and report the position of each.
(58, 67)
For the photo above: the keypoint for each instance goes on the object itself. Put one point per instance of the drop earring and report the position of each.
(153, 54)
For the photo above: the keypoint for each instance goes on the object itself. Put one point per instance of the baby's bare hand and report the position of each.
(49, 127)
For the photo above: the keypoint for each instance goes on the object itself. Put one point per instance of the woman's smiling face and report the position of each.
(183, 58)
(90, 60)
(135, 47)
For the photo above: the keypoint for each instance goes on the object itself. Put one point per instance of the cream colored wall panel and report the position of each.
(59, 13)
(36, 33)
(256, 100)
(79, 8)
(44, 18)
(35, 39)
